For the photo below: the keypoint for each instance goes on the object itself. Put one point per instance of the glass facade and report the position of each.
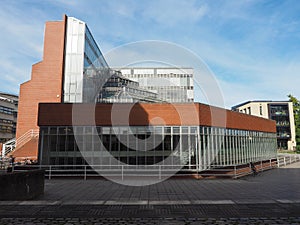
(171, 84)
(85, 69)
(119, 89)
(193, 147)
(86, 72)
(280, 113)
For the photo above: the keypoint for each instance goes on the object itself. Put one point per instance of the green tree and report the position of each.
(296, 107)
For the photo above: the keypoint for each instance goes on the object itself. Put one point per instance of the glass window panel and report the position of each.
(105, 130)
(185, 130)
(62, 130)
(167, 130)
(176, 130)
(193, 130)
(53, 130)
(158, 130)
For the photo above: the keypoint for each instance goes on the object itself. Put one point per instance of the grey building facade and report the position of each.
(8, 116)
(172, 84)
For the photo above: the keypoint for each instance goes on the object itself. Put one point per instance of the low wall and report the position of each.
(22, 185)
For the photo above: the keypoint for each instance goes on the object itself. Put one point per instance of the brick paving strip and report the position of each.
(146, 202)
(151, 211)
(162, 221)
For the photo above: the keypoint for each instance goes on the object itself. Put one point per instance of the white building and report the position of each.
(171, 84)
(281, 112)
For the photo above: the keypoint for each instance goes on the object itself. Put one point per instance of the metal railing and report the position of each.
(286, 159)
(8, 147)
(158, 171)
(11, 145)
(26, 137)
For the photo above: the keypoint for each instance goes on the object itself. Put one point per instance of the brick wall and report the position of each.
(45, 84)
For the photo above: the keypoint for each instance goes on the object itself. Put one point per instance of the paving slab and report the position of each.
(270, 197)
(267, 187)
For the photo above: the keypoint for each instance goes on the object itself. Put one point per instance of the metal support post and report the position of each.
(49, 173)
(235, 172)
(3, 150)
(159, 172)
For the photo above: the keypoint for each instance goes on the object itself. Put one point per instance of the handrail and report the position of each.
(10, 145)
(159, 171)
(26, 137)
(286, 159)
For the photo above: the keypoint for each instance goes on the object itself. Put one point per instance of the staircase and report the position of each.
(12, 144)
(8, 147)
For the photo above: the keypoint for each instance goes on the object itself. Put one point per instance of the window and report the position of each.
(6, 121)
(6, 110)
(260, 110)
(176, 130)
(6, 129)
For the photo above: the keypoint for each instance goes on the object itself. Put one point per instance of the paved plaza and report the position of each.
(277, 185)
(272, 197)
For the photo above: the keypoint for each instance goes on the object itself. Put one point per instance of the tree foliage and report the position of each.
(296, 107)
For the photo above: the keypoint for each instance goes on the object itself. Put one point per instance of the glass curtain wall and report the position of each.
(280, 113)
(196, 148)
(85, 69)
(171, 84)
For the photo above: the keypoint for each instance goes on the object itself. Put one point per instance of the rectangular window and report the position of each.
(260, 110)
(6, 110)
(6, 121)
(176, 130)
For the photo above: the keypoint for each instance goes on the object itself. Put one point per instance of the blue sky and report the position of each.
(252, 47)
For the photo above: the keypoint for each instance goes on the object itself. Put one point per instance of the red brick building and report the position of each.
(45, 85)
